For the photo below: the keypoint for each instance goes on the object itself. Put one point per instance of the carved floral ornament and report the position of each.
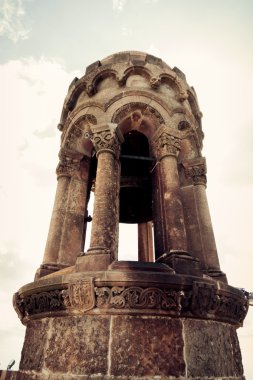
(166, 145)
(107, 138)
(202, 300)
(196, 169)
(68, 166)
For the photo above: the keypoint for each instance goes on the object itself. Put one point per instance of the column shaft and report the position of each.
(72, 231)
(160, 234)
(206, 229)
(104, 232)
(66, 227)
(56, 223)
(196, 170)
(145, 242)
(105, 225)
(175, 226)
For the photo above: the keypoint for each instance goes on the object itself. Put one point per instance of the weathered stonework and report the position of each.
(131, 132)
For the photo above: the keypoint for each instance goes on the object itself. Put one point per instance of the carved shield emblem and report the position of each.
(204, 298)
(80, 295)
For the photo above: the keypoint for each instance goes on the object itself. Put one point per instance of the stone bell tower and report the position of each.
(131, 132)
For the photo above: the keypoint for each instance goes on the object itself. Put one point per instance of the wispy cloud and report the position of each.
(11, 20)
(125, 31)
(45, 133)
(118, 5)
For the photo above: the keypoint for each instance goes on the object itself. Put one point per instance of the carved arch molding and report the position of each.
(145, 109)
(80, 128)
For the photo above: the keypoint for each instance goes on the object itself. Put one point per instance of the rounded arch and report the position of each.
(137, 70)
(175, 83)
(77, 136)
(107, 73)
(138, 116)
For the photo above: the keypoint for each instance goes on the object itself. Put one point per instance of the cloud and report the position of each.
(34, 91)
(49, 132)
(11, 20)
(118, 5)
(31, 107)
(125, 31)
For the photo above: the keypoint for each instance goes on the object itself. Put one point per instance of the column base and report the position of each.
(217, 275)
(182, 262)
(93, 262)
(132, 266)
(46, 269)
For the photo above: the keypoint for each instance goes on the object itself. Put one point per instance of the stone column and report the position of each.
(67, 217)
(196, 169)
(160, 235)
(73, 226)
(166, 145)
(104, 233)
(145, 242)
(50, 260)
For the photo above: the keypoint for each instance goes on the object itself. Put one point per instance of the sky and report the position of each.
(44, 45)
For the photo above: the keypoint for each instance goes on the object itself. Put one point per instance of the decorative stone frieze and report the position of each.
(134, 297)
(200, 299)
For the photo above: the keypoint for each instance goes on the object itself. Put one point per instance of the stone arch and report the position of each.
(76, 137)
(99, 78)
(137, 70)
(138, 116)
(174, 82)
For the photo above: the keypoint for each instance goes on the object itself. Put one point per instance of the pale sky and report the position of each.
(44, 45)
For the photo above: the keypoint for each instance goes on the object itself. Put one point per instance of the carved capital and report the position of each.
(166, 145)
(108, 138)
(196, 169)
(69, 166)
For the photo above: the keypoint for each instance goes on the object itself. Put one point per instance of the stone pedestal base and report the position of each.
(46, 269)
(130, 347)
(88, 262)
(182, 262)
(138, 321)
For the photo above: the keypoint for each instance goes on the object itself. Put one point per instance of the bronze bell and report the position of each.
(135, 181)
